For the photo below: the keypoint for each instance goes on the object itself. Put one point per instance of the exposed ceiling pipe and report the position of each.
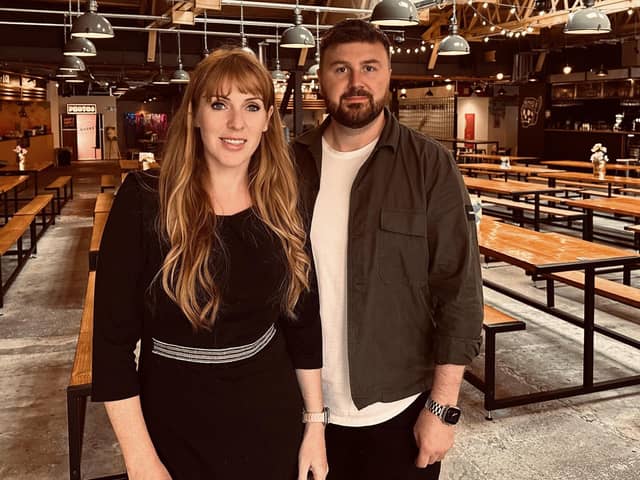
(208, 21)
(288, 6)
(143, 29)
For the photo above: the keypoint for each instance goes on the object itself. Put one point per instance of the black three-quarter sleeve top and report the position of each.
(130, 304)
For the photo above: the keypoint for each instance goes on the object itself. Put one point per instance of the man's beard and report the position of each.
(355, 115)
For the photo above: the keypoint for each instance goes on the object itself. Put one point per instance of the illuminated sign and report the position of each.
(80, 108)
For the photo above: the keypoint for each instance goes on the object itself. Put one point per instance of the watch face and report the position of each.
(452, 415)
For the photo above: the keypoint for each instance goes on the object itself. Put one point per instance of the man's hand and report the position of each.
(433, 438)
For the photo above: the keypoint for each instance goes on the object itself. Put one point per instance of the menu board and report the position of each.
(68, 122)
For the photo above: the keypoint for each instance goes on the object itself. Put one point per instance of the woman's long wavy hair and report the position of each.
(187, 220)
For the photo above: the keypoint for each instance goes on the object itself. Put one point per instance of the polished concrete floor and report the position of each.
(595, 436)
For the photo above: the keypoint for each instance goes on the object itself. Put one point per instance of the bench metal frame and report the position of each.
(488, 385)
(22, 257)
(588, 325)
(68, 194)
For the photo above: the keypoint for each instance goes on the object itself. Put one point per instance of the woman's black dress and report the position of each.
(235, 420)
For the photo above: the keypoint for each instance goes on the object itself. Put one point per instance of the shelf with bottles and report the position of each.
(622, 89)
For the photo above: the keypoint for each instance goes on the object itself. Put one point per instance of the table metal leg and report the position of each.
(587, 225)
(589, 314)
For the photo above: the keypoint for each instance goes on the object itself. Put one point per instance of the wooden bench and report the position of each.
(569, 183)
(11, 234)
(107, 182)
(79, 387)
(605, 288)
(520, 207)
(633, 191)
(636, 235)
(99, 221)
(59, 185)
(596, 193)
(38, 206)
(103, 202)
(494, 322)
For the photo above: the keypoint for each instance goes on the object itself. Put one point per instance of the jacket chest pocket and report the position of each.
(402, 252)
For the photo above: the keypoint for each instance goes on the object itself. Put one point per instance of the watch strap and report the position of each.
(435, 408)
(448, 414)
(316, 417)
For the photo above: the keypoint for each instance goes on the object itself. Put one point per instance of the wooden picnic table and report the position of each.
(577, 164)
(513, 188)
(10, 183)
(628, 206)
(543, 253)
(609, 180)
(128, 165)
(32, 167)
(518, 170)
(498, 158)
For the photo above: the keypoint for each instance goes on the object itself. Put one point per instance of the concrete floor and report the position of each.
(596, 436)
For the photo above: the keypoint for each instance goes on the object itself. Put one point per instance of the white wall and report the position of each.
(480, 107)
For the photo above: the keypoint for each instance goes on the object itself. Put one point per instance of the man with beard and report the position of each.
(396, 254)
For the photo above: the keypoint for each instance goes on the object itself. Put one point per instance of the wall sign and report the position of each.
(81, 108)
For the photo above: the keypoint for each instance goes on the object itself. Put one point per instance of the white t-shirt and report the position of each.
(329, 237)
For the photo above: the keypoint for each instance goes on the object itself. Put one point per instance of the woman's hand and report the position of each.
(312, 456)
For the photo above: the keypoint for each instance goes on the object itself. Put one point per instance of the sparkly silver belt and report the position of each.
(213, 355)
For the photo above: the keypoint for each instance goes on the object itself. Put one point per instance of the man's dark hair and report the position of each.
(348, 31)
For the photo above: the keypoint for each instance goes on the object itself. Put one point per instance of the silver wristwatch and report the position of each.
(318, 417)
(449, 414)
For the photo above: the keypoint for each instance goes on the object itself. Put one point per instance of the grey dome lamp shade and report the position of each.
(72, 63)
(587, 21)
(453, 44)
(398, 13)
(80, 47)
(297, 36)
(91, 24)
(180, 75)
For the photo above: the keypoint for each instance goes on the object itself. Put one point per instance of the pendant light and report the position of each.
(453, 44)
(205, 50)
(160, 78)
(602, 72)
(278, 75)
(297, 36)
(395, 13)
(78, 46)
(92, 25)
(180, 75)
(587, 21)
(245, 46)
(312, 72)
(72, 64)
